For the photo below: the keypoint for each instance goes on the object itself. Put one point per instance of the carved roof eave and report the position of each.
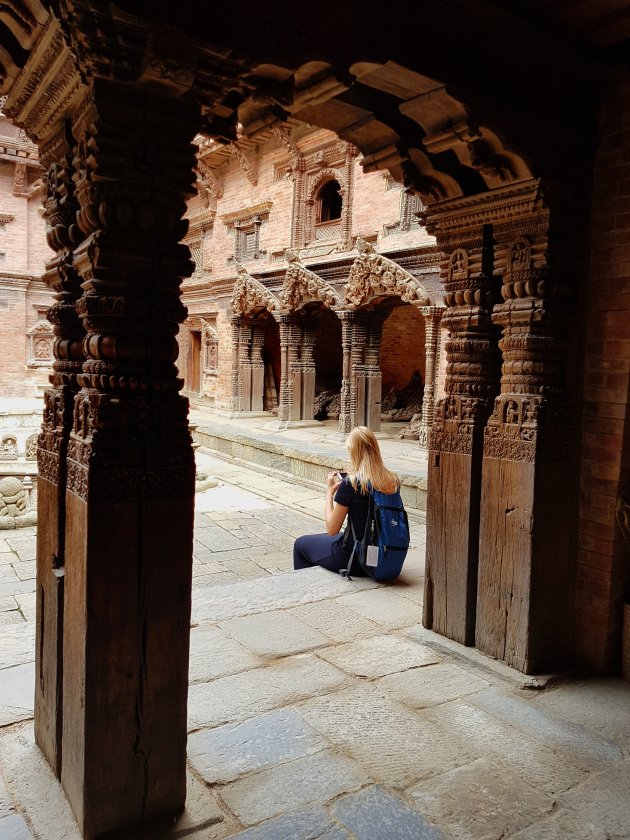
(297, 276)
(372, 275)
(250, 294)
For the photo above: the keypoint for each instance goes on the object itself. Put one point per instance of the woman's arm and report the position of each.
(334, 513)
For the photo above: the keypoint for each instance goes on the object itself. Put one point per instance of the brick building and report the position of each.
(509, 122)
(275, 233)
(26, 337)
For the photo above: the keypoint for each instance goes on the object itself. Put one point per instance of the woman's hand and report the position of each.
(332, 483)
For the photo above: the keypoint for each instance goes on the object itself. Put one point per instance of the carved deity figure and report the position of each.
(13, 497)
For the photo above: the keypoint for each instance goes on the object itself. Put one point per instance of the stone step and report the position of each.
(307, 464)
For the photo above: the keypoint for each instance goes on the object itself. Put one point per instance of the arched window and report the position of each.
(329, 202)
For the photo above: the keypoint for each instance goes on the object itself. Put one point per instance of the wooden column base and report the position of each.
(126, 646)
(452, 544)
(525, 584)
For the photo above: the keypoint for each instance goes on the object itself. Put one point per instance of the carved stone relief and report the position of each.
(372, 275)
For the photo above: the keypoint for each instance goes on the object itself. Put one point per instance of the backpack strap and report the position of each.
(346, 572)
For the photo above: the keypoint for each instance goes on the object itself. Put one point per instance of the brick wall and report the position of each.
(402, 348)
(603, 558)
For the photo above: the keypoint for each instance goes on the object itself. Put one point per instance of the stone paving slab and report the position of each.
(227, 752)
(34, 786)
(376, 814)
(554, 732)
(17, 691)
(312, 823)
(26, 604)
(603, 798)
(338, 622)
(12, 617)
(313, 779)
(420, 688)
(545, 766)
(601, 705)
(18, 645)
(396, 746)
(13, 827)
(477, 801)
(241, 696)
(383, 605)
(379, 656)
(277, 592)
(215, 654)
(274, 634)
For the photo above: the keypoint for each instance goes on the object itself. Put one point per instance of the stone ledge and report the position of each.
(307, 467)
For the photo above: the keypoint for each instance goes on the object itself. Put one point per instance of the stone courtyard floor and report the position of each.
(320, 709)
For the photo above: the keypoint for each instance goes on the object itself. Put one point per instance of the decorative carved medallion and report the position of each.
(302, 286)
(250, 295)
(373, 275)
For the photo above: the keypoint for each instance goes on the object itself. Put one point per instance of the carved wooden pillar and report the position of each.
(432, 317)
(257, 366)
(235, 379)
(372, 371)
(62, 235)
(347, 323)
(357, 370)
(283, 319)
(524, 562)
(456, 441)
(307, 408)
(130, 466)
(245, 365)
(295, 369)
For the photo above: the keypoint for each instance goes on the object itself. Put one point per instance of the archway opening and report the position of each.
(272, 365)
(328, 366)
(403, 362)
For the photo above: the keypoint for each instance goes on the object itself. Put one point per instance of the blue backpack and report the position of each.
(382, 550)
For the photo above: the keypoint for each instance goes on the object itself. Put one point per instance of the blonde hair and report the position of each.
(366, 463)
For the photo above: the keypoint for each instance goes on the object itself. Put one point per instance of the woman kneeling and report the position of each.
(347, 494)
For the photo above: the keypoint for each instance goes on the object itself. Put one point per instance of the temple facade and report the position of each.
(26, 337)
(316, 288)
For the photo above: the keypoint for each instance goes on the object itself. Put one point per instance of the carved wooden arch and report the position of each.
(250, 294)
(373, 275)
(302, 286)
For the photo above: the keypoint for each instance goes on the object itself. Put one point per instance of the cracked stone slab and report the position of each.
(274, 634)
(227, 752)
(421, 688)
(383, 606)
(543, 766)
(18, 645)
(13, 617)
(395, 745)
(379, 656)
(312, 823)
(477, 801)
(26, 603)
(313, 779)
(241, 696)
(336, 621)
(560, 826)
(17, 690)
(554, 732)
(376, 814)
(273, 593)
(215, 654)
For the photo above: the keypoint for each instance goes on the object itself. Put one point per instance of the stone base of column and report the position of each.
(524, 596)
(452, 543)
(126, 646)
